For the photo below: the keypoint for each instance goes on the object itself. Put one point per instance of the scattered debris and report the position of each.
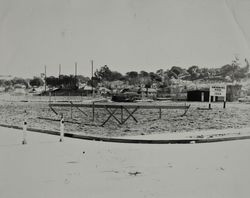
(134, 173)
(66, 181)
(220, 169)
(72, 162)
(111, 171)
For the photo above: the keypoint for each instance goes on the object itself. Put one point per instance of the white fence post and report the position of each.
(61, 129)
(24, 132)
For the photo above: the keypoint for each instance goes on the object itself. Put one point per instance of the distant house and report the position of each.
(87, 90)
(117, 84)
(150, 92)
(178, 92)
(19, 86)
(19, 89)
(81, 85)
(104, 91)
(163, 92)
(37, 90)
(144, 92)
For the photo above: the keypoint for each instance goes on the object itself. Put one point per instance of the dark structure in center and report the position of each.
(196, 95)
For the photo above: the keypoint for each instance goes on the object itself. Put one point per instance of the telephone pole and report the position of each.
(76, 74)
(75, 69)
(92, 70)
(59, 74)
(45, 76)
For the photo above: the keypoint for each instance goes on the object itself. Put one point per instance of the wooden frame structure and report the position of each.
(111, 109)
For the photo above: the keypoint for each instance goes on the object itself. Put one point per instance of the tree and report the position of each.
(104, 73)
(52, 81)
(176, 71)
(143, 74)
(234, 71)
(82, 79)
(154, 77)
(36, 81)
(7, 83)
(93, 82)
(160, 72)
(132, 77)
(144, 77)
(246, 69)
(20, 81)
(194, 72)
(147, 86)
(204, 72)
(2, 82)
(116, 76)
(132, 74)
(164, 76)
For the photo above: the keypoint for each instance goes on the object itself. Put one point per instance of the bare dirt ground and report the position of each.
(48, 168)
(236, 115)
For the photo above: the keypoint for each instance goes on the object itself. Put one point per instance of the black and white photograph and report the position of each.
(124, 98)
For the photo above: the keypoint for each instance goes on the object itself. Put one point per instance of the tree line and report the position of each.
(229, 72)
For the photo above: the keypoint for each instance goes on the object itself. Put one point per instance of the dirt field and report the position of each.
(74, 168)
(236, 115)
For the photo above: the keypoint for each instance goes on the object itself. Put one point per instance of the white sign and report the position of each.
(218, 90)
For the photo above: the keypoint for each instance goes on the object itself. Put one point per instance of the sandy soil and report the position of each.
(236, 115)
(76, 168)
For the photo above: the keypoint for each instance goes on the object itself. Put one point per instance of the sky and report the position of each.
(126, 35)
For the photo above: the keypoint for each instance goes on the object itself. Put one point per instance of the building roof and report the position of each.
(88, 88)
(150, 90)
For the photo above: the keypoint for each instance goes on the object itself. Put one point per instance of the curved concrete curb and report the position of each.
(134, 141)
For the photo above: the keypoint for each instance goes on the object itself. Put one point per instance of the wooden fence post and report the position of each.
(71, 113)
(121, 114)
(209, 105)
(24, 132)
(61, 129)
(93, 111)
(224, 102)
